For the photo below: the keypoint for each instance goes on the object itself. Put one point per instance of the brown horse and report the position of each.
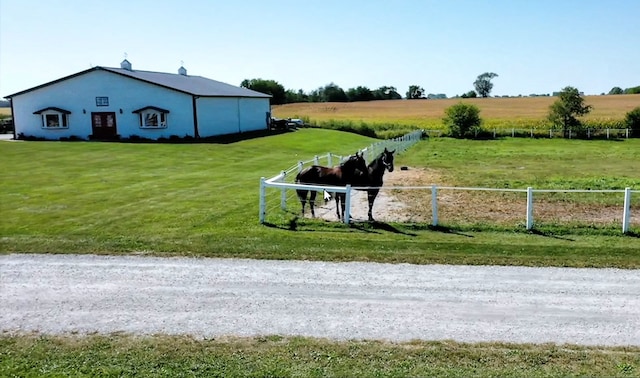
(372, 178)
(341, 175)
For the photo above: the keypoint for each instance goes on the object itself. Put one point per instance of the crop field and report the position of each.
(517, 112)
(5, 112)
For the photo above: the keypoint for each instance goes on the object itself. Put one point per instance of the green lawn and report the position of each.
(275, 356)
(202, 199)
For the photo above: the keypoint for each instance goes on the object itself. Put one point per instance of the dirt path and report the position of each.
(56, 294)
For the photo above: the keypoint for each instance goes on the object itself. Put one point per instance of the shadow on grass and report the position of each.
(548, 234)
(372, 227)
(633, 234)
(367, 227)
(448, 230)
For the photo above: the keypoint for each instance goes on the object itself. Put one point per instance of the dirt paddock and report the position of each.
(466, 206)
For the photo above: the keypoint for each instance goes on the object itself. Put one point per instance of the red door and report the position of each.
(103, 125)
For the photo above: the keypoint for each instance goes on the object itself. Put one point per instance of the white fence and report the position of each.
(284, 181)
(589, 133)
(283, 184)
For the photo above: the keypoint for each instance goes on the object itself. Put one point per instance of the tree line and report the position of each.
(334, 93)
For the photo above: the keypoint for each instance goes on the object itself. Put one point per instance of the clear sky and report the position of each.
(535, 46)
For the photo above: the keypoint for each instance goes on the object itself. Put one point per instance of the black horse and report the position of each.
(341, 175)
(372, 179)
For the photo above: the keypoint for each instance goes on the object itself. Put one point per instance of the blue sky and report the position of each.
(535, 46)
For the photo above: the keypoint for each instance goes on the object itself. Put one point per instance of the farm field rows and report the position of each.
(497, 112)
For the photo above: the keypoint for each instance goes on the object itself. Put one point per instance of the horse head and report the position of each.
(387, 159)
(354, 165)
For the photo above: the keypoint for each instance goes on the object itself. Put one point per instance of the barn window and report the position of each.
(54, 118)
(152, 117)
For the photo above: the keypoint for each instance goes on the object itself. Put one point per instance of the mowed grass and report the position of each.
(275, 356)
(428, 114)
(202, 200)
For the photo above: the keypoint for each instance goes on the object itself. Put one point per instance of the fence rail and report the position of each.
(588, 133)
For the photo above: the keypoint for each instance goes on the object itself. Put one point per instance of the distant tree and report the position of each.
(563, 112)
(463, 120)
(271, 87)
(386, 93)
(360, 94)
(415, 91)
(329, 93)
(632, 90)
(616, 91)
(470, 94)
(293, 96)
(632, 121)
(483, 83)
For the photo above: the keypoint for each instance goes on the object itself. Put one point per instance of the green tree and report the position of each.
(483, 83)
(463, 120)
(293, 96)
(632, 90)
(387, 93)
(360, 94)
(470, 94)
(563, 112)
(632, 121)
(415, 91)
(616, 91)
(272, 87)
(331, 93)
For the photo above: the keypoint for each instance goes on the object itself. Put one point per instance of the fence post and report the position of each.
(263, 194)
(529, 208)
(626, 214)
(513, 132)
(550, 133)
(347, 204)
(300, 165)
(329, 159)
(283, 195)
(532, 132)
(316, 160)
(626, 133)
(434, 205)
(588, 133)
(494, 133)
(607, 133)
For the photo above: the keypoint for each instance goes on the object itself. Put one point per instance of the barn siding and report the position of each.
(78, 93)
(215, 115)
(253, 114)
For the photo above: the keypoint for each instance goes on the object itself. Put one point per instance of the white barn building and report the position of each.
(109, 103)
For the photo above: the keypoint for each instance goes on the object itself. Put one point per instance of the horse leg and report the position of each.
(340, 204)
(337, 197)
(302, 195)
(371, 196)
(312, 201)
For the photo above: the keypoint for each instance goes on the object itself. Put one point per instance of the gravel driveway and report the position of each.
(213, 297)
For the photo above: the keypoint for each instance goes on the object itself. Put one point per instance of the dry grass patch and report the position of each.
(477, 206)
(430, 111)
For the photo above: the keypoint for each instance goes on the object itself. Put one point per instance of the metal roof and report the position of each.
(193, 85)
